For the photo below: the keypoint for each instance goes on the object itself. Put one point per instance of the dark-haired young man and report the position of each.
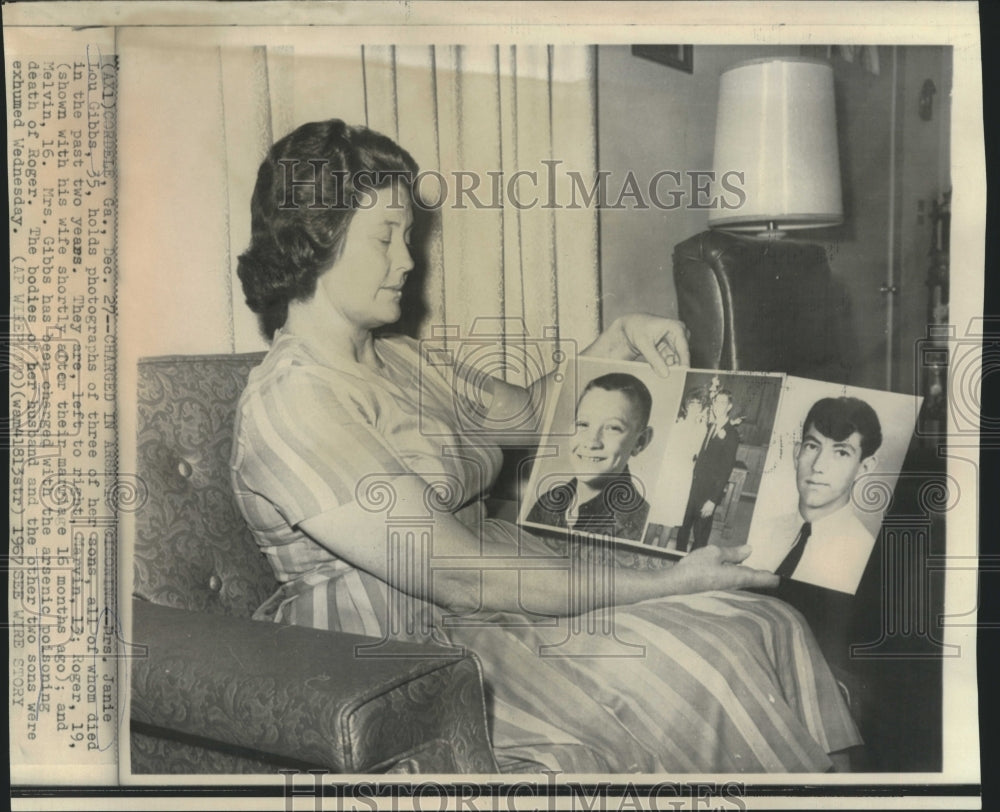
(827, 545)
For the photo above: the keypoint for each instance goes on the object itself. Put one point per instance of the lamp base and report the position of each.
(758, 231)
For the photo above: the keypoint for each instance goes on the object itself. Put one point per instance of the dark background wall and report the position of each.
(894, 165)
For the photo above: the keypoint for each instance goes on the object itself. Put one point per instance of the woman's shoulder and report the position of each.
(292, 374)
(287, 363)
(420, 365)
(401, 347)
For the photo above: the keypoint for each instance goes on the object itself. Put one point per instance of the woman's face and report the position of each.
(694, 411)
(365, 283)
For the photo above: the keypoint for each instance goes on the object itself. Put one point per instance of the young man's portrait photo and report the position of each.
(835, 451)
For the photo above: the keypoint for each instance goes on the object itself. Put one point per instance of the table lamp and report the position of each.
(776, 125)
(750, 300)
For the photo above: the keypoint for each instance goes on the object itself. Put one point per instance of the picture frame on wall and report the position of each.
(680, 57)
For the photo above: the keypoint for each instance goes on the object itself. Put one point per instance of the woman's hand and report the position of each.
(712, 567)
(662, 342)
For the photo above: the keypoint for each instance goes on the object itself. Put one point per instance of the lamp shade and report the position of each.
(777, 126)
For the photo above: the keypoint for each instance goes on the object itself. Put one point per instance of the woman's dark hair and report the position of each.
(308, 188)
(698, 394)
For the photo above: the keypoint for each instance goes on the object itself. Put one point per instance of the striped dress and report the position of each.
(714, 682)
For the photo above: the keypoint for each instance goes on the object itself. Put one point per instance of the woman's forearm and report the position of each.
(463, 571)
(575, 590)
(558, 588)
(532, 586)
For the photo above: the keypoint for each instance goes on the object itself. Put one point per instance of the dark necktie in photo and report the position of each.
(708, 436)
(787, 567)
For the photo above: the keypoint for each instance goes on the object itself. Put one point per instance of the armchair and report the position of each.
(222, 693)
(762, 305)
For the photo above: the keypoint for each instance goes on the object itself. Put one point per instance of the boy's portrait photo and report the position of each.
(603, 448)
(836, 453)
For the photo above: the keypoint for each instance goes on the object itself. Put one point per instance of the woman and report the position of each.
(686, 440)
(338, 435)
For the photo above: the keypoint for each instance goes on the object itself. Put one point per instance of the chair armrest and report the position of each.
(307, 695)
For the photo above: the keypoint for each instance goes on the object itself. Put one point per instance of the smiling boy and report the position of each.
(611, 427)
(831, 546)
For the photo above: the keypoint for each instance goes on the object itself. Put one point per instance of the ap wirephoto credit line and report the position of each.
(62, 339)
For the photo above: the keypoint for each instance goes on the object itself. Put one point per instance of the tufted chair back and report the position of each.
(193, 550)
(763, 305)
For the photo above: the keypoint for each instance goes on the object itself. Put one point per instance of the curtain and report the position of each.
(518, 261)
(471, 116)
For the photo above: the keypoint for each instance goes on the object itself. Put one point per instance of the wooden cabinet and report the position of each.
(752, 457)
(725, 513)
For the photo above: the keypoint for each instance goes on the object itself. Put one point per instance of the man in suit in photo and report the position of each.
(711, 474)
